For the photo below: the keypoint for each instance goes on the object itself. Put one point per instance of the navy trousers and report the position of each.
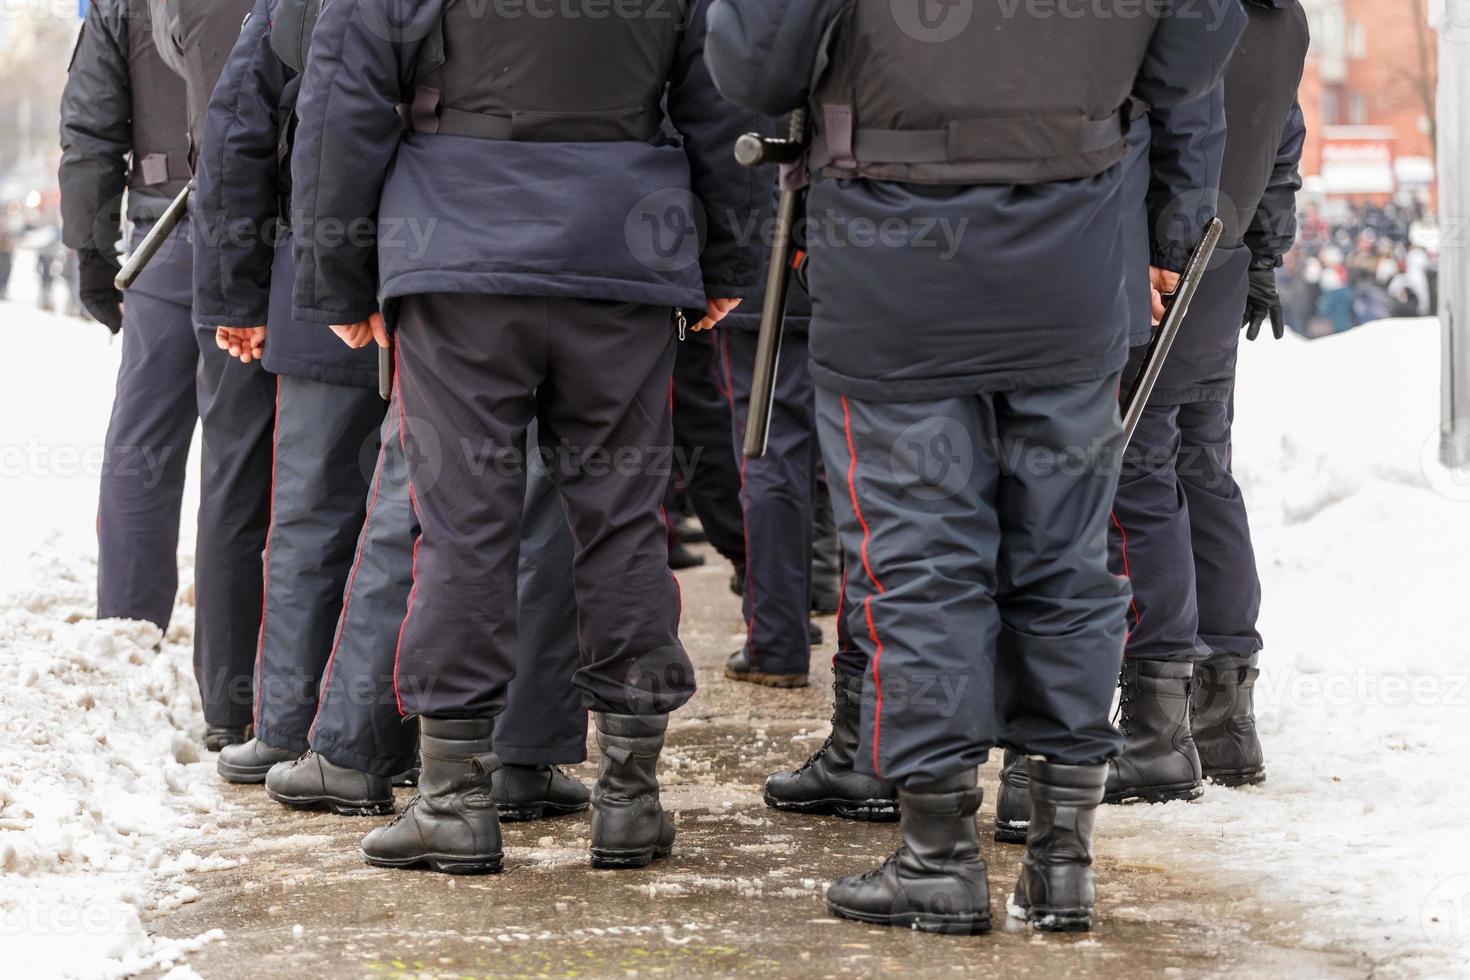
(358, 722)
(1180, 530)
(474, 370)
(708, 469)
(777, 493)
(171, 376)
(974, 535)
(324, 433)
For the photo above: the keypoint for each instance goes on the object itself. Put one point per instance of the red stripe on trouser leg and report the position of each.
(347, 593)
(1132, 599)
(867, 568)
(413, 502)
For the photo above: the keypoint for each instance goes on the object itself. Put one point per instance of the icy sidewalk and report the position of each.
(1352, 859)
(1363, 541)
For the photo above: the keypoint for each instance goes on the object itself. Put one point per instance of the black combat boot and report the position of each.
(1225, 722)
(827, 783)
(313, 782)
(1055, 892)
(1013, 802)
(629, 826)
(248, 762)
(216, 737)
(533, 792)
(451, 825)
(1159, 761)
(935, 881)
(739, 668)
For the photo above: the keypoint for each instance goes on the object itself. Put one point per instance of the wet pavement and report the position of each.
(742, 893)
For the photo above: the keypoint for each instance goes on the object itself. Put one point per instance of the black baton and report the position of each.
(752, 150)
(1158, 348)
(153, 241)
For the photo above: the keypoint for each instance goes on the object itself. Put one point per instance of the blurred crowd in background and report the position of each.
(1357, 263)
(34, 266)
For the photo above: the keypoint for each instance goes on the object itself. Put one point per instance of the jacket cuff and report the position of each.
(1168, 256)
(317, 314)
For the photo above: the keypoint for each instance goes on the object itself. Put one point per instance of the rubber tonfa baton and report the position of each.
(753, 150)
(385, 371)
(1178, 307)
(153, 241)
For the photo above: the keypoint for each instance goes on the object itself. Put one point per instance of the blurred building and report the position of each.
(1369, 99)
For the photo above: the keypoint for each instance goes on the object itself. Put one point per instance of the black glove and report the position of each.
(1262, 302)
(99, 296)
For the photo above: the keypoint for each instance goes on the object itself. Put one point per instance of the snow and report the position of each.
(1364, 700)
(101, 778)
(1363, 541)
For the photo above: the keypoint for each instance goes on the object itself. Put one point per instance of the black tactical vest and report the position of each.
(1260, 88)
(529, 71)
(159, 114)
(205, 32)
(977, 92)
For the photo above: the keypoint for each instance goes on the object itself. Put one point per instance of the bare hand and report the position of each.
(245, 343)
(1160, 281)
(715, 310)
(360, 334)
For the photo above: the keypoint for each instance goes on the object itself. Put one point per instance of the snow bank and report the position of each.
(1363, 541)
(101, 778)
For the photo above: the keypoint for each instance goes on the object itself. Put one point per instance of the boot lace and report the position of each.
(815, 756)
(407, 807)
(1122, 717)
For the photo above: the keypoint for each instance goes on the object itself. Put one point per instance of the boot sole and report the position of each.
(243, 775)
(514, 813)
(769, 680)
(1006, 834)
(1167, 793)
(872, 811)
(604, 857)
(443, 863)
(335, 804)
(1237, 777)
(955, 925)
(1065, 920)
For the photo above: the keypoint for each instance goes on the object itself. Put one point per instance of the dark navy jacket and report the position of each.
(1172, 177)
(976, 288)
(97, 131)
(243, 275)
(596, 220)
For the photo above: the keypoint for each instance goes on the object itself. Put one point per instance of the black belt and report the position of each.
(427, 114)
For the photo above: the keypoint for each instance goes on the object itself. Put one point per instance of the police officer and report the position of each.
(1180, 530)
(967, 379)
(1171, 172)
(328, 414)
(125, 127)
(534, 148)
